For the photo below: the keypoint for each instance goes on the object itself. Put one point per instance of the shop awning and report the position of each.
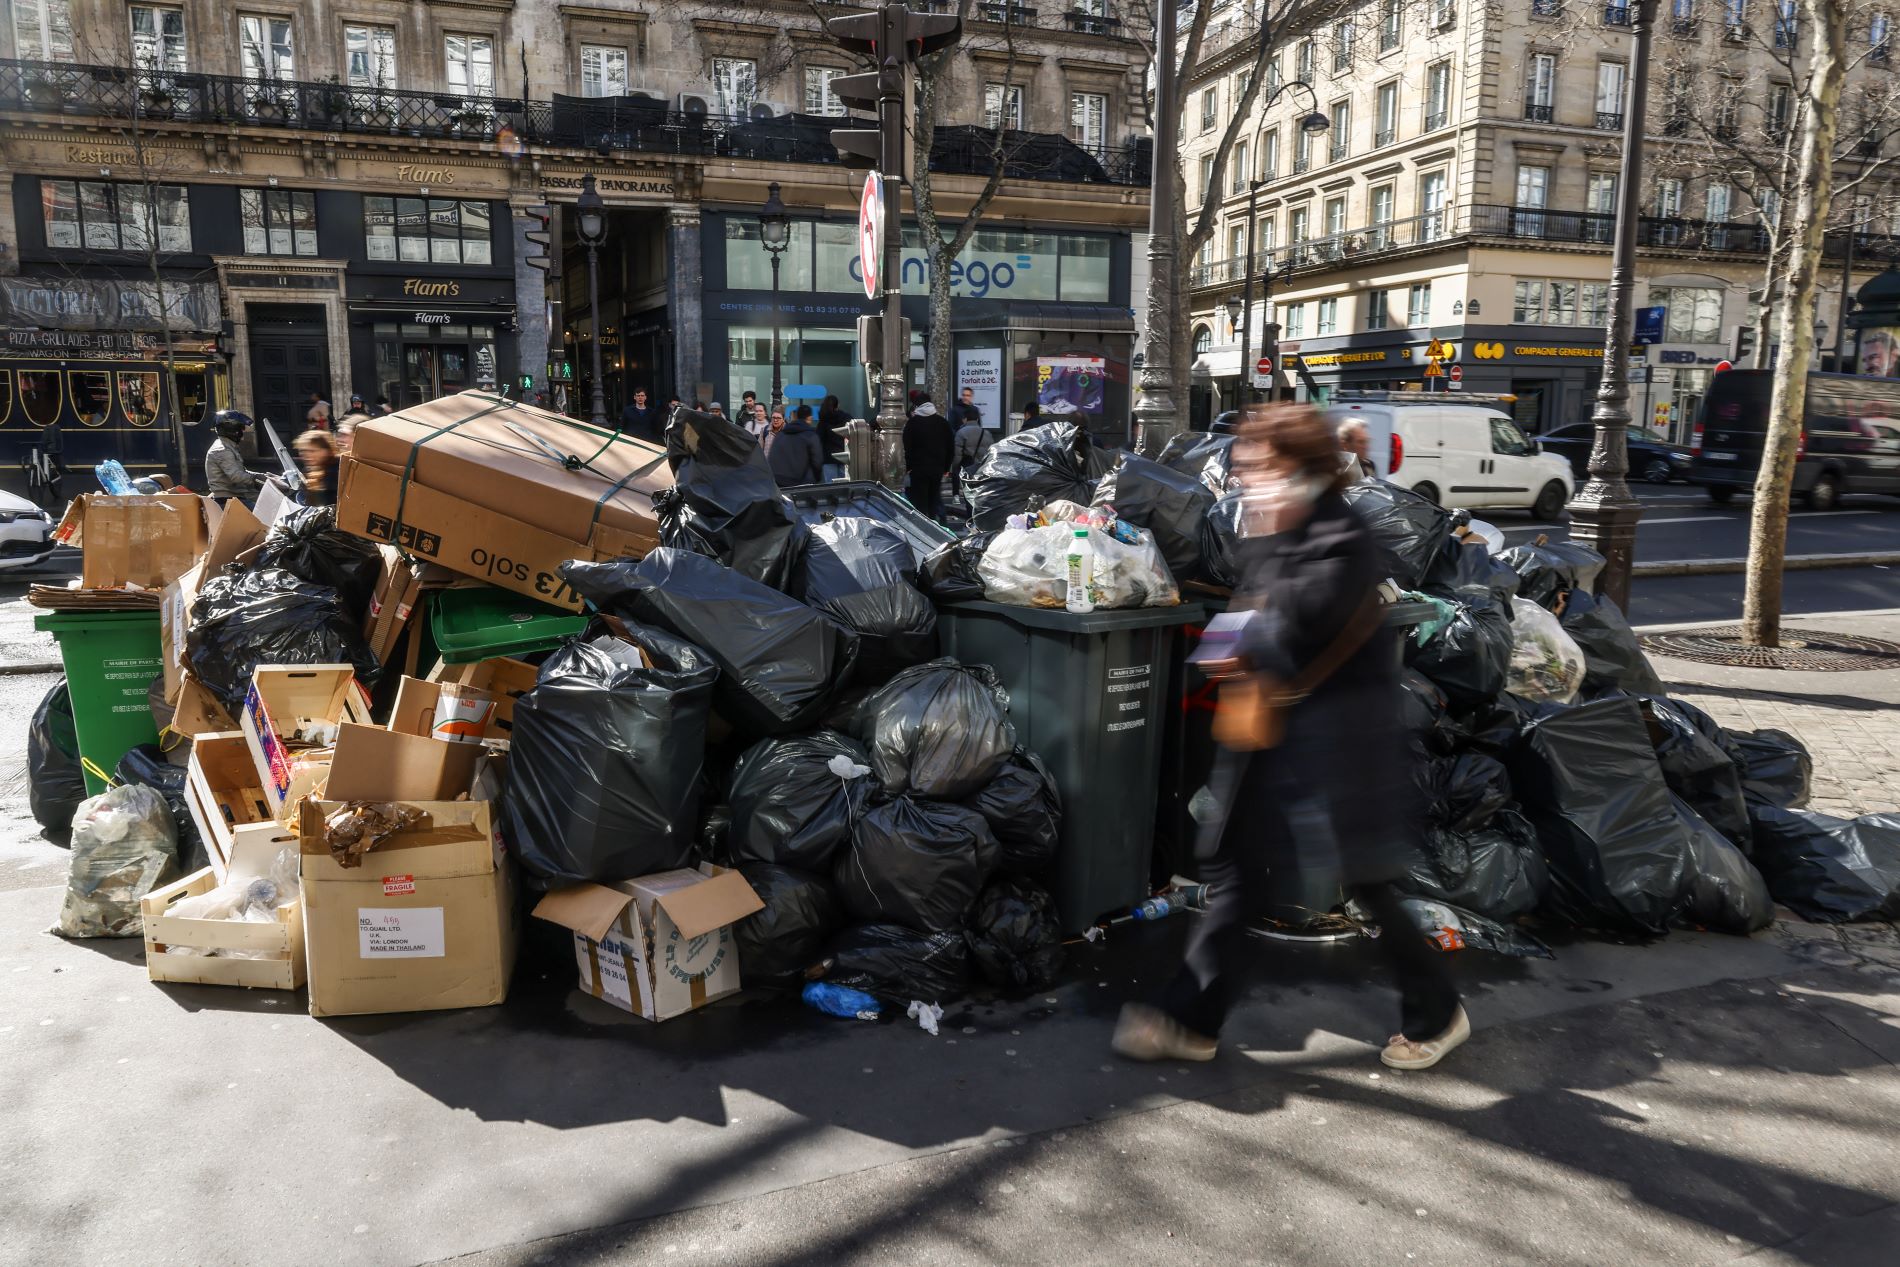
(1044, 317)
(1217, 364)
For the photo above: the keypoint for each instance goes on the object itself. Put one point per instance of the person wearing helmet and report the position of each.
(226, 476)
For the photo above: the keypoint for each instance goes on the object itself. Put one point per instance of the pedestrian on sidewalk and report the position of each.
(316, 454)
(1333, 787)
(929, 450)
(791, 450)
(1356, 456)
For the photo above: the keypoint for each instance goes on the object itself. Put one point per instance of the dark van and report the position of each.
(1850, 439)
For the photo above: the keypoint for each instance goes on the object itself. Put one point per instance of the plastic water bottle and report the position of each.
(1081, 571)
(1155, 908)
(842, 1001)
(1189, 897)
(112, 477)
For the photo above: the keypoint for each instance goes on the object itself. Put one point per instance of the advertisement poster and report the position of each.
(981, 370)
(1070, 384)
(1880, 352)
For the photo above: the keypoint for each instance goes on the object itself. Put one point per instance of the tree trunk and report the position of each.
(1768, 522)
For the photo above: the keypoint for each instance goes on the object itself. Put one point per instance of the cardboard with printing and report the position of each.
(223, 793)
(507, 680)
(291, 717)
(273, 953)
(238, 532)
(659, 945)
(426, 921)
(147, 541)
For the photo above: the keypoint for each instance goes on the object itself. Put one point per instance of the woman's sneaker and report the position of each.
(1148, 1033)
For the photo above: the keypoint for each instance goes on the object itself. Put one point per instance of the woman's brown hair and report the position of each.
(1302, 434)
(316, 440)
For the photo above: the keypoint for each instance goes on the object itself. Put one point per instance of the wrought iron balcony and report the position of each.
(1539, 113)
(1091, 23)
(1685, 28)
(1610, 120)
(1435, 120)
(606, 125)
(1547, 8)
(1010, 14)
(1384, 137)
(1616, 15)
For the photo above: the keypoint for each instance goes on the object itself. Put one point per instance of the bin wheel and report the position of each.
(1428, 491)
(1721, 494)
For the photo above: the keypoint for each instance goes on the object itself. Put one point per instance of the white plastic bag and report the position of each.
(1028, 567)
(1546, 662)
(124, 846)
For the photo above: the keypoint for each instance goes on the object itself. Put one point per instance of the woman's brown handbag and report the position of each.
(1251, 713)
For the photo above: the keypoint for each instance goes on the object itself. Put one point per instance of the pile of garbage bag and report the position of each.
(55, 782)
(1022, 473)
(124, 846)
(724, 502)
(268, 615)
(306, 543)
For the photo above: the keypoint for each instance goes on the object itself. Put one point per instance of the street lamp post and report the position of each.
(1603, 514)
(1236, 314)
(593, 229)
(775, 231)
(1156, 415)
(1246, 292)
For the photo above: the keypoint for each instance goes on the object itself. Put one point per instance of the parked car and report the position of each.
(1653, 459)
(1850, 441)
(25, 533)
(1469, 455)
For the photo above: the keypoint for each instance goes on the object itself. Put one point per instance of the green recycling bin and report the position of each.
(1088, 694)
(481, 623)
(111, 659)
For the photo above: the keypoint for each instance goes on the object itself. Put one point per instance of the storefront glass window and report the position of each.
(101, 216)
(138, 397)
(278, 221)
(427, 230)
(40, 396)
(820, 357)
(749, 264)
(194, 395)
(6, 395)
(1085, 269)
(92, 395)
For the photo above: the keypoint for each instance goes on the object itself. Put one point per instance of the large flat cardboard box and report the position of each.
(286, 705)
(223, 793)
(143, 540)
(272, 954)
(426, 921)
(482, 485)
(659, 945)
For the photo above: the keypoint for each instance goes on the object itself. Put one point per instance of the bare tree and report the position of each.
(1817, 161)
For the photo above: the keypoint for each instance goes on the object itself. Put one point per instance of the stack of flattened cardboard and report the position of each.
(501, 491)
(131, 549)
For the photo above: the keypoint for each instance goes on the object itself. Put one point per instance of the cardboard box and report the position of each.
(660, 945)
(197, 711)
(487, 496)
(223, 793)
(147, 541)
(507, 680)
(281, 943)
(426, 921)
(397, 587)
(238, 532)
(284, 702)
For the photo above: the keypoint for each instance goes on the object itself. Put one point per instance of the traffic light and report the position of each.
(537, 234)
(890, 38)
(1744, 345)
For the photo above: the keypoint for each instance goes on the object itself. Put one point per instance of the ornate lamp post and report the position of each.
(775, 231)
(593, 229)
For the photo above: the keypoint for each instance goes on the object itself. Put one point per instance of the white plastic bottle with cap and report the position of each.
(1081, 570)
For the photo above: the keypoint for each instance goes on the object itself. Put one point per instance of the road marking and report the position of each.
(1823, 514)
(1691, 519)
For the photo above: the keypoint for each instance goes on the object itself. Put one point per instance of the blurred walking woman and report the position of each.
(316, 454)
(1315, 772)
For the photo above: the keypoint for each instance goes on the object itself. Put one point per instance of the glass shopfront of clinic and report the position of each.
(1005, 277)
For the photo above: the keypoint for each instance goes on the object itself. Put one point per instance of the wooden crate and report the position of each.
(223, 793)
(284, 970)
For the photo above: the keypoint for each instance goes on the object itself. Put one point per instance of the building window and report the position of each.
(1386, 115)
(1780, 109)
(1270, 155)
(42, 30)
(1328, 322)
(264, 47)
(1437, 95)
(1540, 94)
(278, 221)
(95, 215)
(1610, 80)
(1303, 61)
(1003, 106)
(1088, 118)
(1237, 243)
(604, 71)
(1528, 306)
(470, 64)
(1431, 206)
(1600, 195)
(369, 56)
(1378, 309)
(1533, 195)
(1562, 306)
(1418, 304)
(1594, 303)
(1382, 201)
(158, 37)
(1207, 177)
(1716, 203)
(1341, 130)
(1694, 313)
(1203, 340)
(1335, 217)
(1669, 197)
(819, 98)
(735, 84)
(1296, 226)
(427, 230)
(1276, 79)
(1391, 25)
(1209, 108)
(1239, 179)
(1295, 321)
(1343, 36)
(1302, 150)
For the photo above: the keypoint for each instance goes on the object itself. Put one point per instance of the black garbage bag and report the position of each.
(1024, 472)
(305, 542)
(1495, 870)
(949, 575)
(1697, 768)
(789, 935)
(55, 782)
(1014, 935)
(862, 574)
(1220, 541)
(900, 963)
(1463, 791)
(1587, 779)
(779, 660)
(1410, 531)
(1775, 767)
(1469, 658)
(147, 766)
(1612, 658)
(916, 863)
(269, 616)
(1834, 870)
(1171, 505)
(1470, 565)
(1724, 892)
(1423, 714)
(724, 502)
(1545, 570)
(939, 729)
(1451, 929)
(788, 807)
(604, 767)
(1024, 811)
(1204, 455)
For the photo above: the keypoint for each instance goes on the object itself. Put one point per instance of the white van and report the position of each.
(1462, 453)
